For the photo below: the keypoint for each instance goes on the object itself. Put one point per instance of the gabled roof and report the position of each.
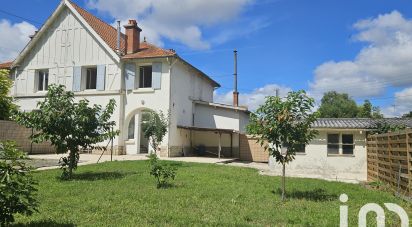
(6, 65)
(100, 30)
(107, 36)
(359, 123)
(107, 32)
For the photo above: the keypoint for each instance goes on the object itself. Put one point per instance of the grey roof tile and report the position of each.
(359, 123)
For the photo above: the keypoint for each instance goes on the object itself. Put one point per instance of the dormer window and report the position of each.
(42, 80)
(145, 76)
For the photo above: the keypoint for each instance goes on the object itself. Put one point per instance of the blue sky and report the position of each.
(281, 43)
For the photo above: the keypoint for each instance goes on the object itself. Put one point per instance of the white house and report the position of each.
(98, 62)
(338, 152)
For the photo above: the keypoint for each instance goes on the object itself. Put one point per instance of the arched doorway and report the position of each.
(135, 141)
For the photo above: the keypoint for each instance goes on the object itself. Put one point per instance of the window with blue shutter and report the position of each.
(130, 72)
(156, 75)
(77, 78)
(101, 77)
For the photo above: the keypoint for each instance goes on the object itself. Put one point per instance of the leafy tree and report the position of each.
(365, 110)
(283, 126)
(376, 112)
(68, 125)
(336, 105)
(6, 102)
(155, 128)
(384, 127)
(17, 186)
(407, 115)
(161, 171)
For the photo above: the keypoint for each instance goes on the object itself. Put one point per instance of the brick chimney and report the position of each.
(132, 37)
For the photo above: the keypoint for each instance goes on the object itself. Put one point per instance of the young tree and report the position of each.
(68, 125)
(155, 128)
(283, 126)
(6, 102)
(17, 186)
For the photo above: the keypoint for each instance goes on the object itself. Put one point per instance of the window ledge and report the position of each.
(301, 153)
(340, 155)
(144, 90)
(130, 141)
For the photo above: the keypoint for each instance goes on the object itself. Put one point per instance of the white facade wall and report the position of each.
(145, 99)
(186, 85)
(212, 117)
(316, 163)
(67, 43)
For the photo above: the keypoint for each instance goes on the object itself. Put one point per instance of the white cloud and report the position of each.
(13, 38)
(401, 105)
(178, 20)
(253, 99)
(385, 61)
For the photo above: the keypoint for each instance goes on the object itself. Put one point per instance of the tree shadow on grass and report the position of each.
(94, 176)
(43, 223)
(316, 195)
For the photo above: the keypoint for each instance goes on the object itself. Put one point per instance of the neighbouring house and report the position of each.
(98, 62)
(6, 65)
(339, 150)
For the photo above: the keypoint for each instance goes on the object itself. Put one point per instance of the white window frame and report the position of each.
(42, 73)
(85, 70)
(137, 79)
(340, 143)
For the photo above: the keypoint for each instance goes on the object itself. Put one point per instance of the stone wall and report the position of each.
(10, 130)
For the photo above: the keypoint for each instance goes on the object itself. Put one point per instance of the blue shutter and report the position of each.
(77, 78)
(156, 75)
(130, 72)
(101, 77)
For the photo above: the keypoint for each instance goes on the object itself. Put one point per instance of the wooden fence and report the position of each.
(389, 160)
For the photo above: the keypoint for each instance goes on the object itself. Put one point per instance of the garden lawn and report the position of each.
(124, 194)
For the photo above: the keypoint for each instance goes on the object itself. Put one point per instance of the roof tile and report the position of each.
(359, 123)
(6, 65)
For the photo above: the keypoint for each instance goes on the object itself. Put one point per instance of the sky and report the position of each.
(363, 48)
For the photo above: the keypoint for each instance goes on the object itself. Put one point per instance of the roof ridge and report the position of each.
(102, 28)
(81, 8)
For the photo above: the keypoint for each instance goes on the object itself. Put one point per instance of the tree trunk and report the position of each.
(283, 182)
(72, 162)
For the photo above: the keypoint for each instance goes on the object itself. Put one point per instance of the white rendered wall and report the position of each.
(186, 85)
(66, 44)
(207, 116)
(316, 163)
(146, 99)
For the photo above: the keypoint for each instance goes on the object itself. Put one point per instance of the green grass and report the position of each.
(124, 194)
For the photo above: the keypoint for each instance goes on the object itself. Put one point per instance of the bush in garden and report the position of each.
(162, 172)
(17, 186)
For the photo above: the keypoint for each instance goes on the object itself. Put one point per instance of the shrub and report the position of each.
(17, 189)
(162, 172)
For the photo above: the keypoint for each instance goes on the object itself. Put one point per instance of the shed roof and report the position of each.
(359, 123)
